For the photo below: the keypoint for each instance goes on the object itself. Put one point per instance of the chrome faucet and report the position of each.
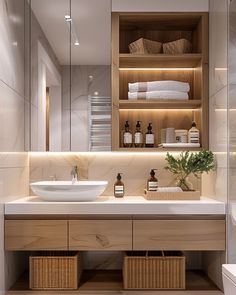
(74, 174)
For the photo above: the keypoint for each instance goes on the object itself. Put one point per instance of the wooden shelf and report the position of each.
(110, 282)
(190, 68)
(158, 150)
(190, 60)
(159, 104)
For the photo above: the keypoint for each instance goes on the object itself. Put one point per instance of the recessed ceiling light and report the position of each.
(67, 16)
(76, 43)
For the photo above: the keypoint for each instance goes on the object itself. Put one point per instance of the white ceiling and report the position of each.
(92, 19)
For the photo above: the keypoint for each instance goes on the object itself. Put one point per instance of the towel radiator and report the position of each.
(100, 123)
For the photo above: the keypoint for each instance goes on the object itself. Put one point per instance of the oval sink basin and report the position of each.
(65, 191)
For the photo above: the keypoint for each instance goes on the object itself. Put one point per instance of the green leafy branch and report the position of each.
(189, 163)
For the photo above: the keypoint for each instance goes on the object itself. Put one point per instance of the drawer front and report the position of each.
(36, 235)
(179, 235)
(100, 235)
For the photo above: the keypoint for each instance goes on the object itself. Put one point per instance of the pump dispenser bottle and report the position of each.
(119, 188)
(138, 136)
(127, 136)
(193, 134)
(149, 140)
(152, 183)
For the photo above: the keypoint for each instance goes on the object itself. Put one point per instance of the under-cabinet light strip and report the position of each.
(156, 69)
(122, 153)
(159, 110)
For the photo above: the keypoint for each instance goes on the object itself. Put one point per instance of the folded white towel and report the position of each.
(158, 95)
(167, 85)
(171, 189)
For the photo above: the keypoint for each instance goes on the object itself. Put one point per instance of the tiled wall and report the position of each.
(232, 133)
(14, 166)
(215, 184)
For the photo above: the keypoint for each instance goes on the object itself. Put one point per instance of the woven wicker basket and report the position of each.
(145, 46)
(55, 271)
(177, 47)
(164, 270)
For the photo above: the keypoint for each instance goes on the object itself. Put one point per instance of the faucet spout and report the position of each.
(74, 174)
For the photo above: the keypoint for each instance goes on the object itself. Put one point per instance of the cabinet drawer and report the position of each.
(100, 235)
(36, 235)
(179, 234)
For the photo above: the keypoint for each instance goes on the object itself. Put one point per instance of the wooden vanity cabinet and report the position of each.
(192, 235)
(36, 235)
(96, 235)
(113, 234)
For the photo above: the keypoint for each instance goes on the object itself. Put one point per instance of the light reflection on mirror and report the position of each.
(70, 75)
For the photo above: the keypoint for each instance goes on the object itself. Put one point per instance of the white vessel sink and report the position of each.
(66, 191)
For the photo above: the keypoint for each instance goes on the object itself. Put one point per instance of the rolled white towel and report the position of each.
(159, 95)
(167, 85)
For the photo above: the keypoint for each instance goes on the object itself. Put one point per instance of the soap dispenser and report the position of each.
(127, 136)
(119, 188)
(193, 134)
(138, 136)
(152, 183)
(149, 140)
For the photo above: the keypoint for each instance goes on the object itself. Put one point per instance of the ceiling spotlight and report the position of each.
(67, 17)
(73, 31)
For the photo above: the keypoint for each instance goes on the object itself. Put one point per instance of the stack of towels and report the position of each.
(159, 90)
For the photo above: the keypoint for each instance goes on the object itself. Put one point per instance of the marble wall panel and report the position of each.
(104, 166)
(14, 166)
(232, 133)
(11, 120)
(12, 44)
(218, 45)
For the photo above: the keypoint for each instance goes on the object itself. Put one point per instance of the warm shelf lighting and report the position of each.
(156, 69)
(122, 153)
(225, 110)
(221, 69)
(159, 110)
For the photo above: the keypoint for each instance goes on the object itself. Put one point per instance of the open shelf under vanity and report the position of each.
(110, 282)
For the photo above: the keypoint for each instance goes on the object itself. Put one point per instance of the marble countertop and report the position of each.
(129, 205)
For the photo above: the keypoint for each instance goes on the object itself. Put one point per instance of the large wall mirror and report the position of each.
(70, 44)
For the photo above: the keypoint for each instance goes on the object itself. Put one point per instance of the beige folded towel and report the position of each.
(167, 85)
(159, 95)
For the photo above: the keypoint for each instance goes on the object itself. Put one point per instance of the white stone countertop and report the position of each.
(129, 205)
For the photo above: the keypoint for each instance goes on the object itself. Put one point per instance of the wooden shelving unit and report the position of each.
(159, 104)
(130, 68)
(159, 60)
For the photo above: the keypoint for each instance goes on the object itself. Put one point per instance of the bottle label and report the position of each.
(138, 138)
(152, 186)
(194, 137)
(149, 138)
(127, 137)
(119, 190)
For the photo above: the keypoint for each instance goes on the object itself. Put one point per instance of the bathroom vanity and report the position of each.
(111, 224)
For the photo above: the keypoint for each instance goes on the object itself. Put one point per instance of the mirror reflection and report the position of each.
(70, 75)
